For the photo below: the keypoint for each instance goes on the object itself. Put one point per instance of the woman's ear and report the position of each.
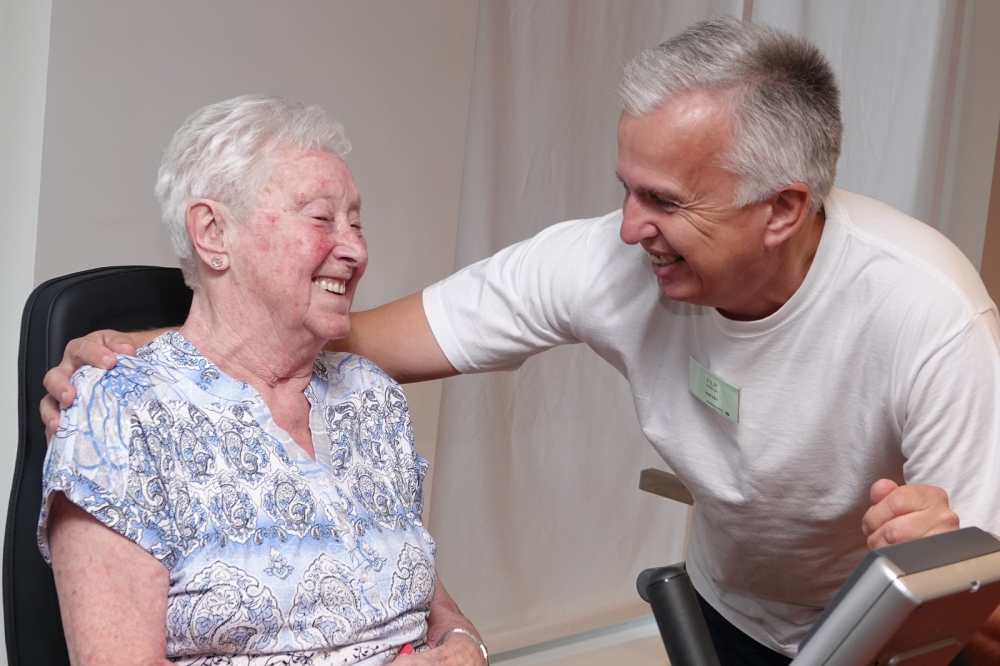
(207, 222)
(789, 210)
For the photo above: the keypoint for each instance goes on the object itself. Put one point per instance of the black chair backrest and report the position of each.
(125, 298)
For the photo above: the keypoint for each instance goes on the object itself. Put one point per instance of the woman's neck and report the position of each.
(275, 361)
(253, 349)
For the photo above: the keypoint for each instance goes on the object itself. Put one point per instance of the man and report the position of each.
(819, 369)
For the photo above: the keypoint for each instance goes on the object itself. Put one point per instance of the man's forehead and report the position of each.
(686, 110)
(675, 150)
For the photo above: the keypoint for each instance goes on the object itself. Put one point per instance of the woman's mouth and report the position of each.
(331, 285)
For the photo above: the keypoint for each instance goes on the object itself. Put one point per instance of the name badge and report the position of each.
(714, 391)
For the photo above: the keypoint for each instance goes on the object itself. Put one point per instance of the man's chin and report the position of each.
(675, 291)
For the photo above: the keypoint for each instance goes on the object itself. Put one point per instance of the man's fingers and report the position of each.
(908, 512)
(880, 489)
(907, 528)
(887, 503)
(123, 347)
(50, 415)
(97, 349)
(57, 383)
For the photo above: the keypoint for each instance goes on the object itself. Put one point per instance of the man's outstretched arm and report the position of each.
(396, 336)
(398, 339)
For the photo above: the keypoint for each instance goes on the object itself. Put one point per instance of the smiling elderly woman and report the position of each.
(263, 498)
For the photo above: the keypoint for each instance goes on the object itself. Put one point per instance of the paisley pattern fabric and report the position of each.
(274, 558)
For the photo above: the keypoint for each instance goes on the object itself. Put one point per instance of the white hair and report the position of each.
(218, 153)
(782, 93)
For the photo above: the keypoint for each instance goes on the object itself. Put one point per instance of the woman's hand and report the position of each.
(457, 650)
(97, 349)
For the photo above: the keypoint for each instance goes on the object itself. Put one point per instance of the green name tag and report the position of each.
(715, 391)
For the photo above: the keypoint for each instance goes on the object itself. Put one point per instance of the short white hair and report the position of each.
(782, 93)
(218, 152)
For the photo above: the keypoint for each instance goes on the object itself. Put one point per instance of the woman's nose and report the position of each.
(351, 247)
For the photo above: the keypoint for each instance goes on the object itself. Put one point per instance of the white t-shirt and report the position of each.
(884, 364)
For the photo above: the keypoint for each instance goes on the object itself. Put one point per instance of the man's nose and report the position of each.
(637, 223)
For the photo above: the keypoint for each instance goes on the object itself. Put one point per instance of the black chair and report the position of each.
(125, 298)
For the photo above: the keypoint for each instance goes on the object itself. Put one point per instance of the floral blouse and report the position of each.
(273, 557)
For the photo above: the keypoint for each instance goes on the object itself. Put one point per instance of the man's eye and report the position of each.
(663, 203)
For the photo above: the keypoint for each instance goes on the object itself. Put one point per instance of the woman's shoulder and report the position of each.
(130, 379)
(351, 371)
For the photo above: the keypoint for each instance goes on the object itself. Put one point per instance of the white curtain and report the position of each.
(894, 60)
(536, 508)
(540, 525)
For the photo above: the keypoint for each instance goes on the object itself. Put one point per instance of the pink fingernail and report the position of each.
(406, 649)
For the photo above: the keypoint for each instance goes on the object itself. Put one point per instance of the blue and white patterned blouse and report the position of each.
(274, 558)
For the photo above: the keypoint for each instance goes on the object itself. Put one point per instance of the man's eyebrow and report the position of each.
(659, 193)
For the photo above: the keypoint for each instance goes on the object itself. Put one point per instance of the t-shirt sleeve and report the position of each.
(951, 436)
(496, 313)
(97, 460)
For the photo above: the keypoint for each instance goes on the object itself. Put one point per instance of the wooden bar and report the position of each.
(665, 484)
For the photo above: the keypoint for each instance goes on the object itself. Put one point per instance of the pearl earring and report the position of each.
(216, 262)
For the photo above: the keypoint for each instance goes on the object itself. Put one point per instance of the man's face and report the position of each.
(679, 206)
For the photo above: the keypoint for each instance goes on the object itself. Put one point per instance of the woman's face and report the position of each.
(302, 253)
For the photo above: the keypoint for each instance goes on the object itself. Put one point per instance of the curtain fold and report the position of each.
(540, 524)
(895, 63)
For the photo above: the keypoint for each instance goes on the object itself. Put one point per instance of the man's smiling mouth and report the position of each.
(664, 259)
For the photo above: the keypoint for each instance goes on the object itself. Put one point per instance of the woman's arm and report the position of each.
(458, 649)
(112, 593)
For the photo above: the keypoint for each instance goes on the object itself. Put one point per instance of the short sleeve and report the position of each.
(98, 459)
(496, 313)
(951, 438)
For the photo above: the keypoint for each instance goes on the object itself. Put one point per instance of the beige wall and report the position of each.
(91, 90)
(123, 75)
(24, 47)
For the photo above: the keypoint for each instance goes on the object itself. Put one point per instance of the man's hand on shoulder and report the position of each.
(903, 513)
(97, 349)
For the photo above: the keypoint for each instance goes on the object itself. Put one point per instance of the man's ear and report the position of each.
(207, 221)
(789, 210)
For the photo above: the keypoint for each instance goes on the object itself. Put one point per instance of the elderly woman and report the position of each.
(223, 499)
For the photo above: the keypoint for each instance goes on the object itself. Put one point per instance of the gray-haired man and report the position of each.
(821, 370)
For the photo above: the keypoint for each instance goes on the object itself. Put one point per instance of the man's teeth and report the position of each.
(664, 259)
(334, 286)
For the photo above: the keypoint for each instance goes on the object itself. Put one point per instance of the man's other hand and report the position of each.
(97, 349)
(903, 513)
